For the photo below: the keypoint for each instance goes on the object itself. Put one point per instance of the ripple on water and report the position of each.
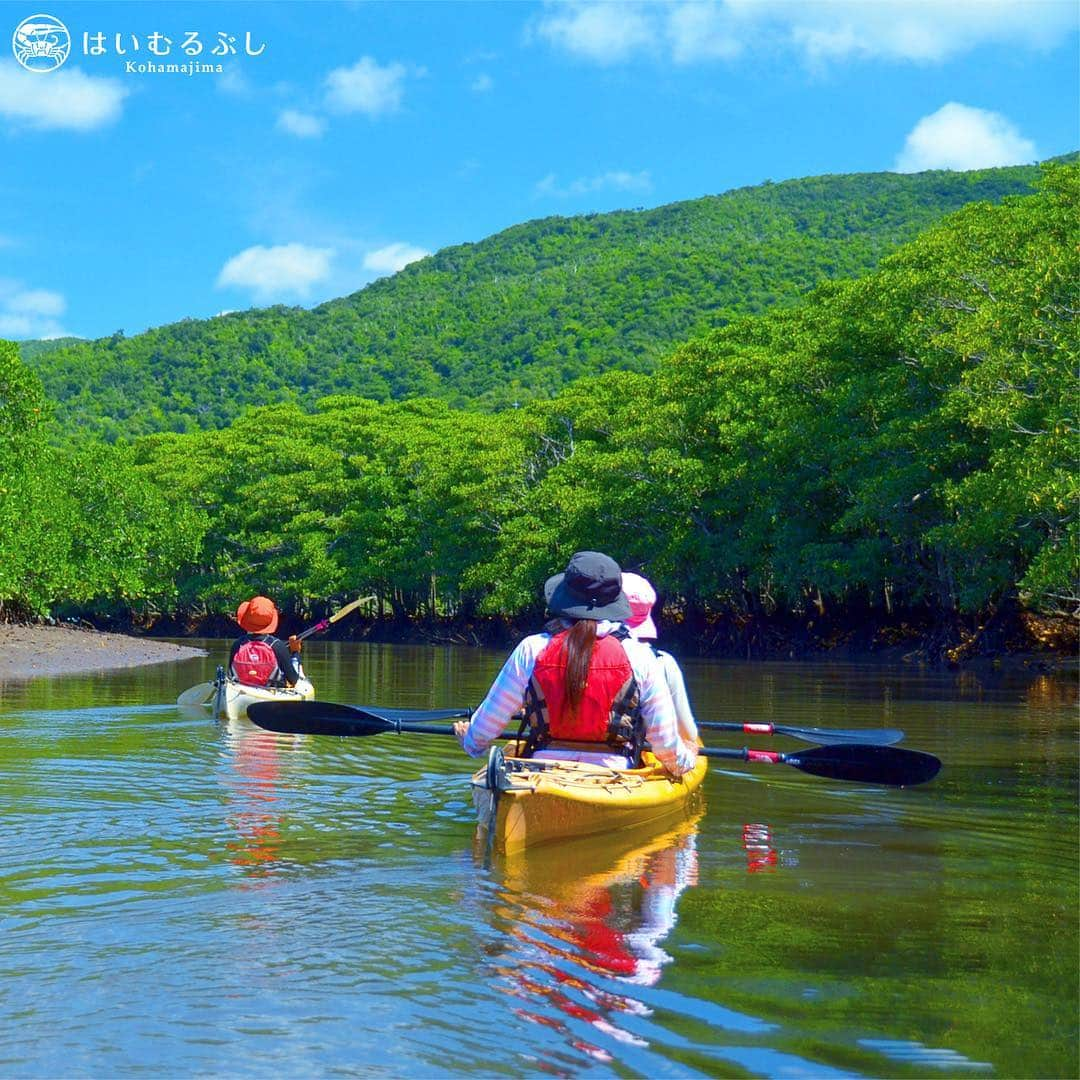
(210, 898)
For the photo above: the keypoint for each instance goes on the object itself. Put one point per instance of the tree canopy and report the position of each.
(903, 440)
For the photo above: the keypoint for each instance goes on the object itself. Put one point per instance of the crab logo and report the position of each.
(41, 43)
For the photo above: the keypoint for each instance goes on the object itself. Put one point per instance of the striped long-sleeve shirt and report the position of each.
(507, 696)
(677, 685)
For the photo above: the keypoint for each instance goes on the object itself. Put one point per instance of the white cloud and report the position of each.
(393, 257)
(30, 313)
(960, 137)
(366, 87)
(61, 100)
(36, 302)
(618, 180)
(482, 84)
(923, 32)
(700, 32)
(274, 272)
(234, 82)
(303, 125)
(820, 30)
(606, 33)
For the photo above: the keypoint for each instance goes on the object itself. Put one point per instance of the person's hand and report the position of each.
(460, 728)
(692, 747)
(295, 644)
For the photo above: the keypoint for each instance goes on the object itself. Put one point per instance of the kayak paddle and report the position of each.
(865, 764)
(204, 692)
(197, 695)
(329, 718)
(831, 736)
(320, 626)
(863, 736)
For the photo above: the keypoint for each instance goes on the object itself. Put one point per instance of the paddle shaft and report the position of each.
(765, 757)
(339, 614)
(865, 737)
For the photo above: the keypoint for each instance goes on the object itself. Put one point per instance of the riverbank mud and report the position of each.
(32, 650)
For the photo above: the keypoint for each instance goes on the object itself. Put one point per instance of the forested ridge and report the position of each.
(517, 316)
(897, 447)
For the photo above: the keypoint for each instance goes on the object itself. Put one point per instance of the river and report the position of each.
(182, 896)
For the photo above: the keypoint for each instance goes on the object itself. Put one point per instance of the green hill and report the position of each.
(516, 316)
(29, 350)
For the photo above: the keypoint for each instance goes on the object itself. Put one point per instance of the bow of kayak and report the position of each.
(232, 698)
(530, 801)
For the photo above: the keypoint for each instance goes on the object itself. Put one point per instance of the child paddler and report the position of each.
(589, 691)
(642, 597)
(258, 658)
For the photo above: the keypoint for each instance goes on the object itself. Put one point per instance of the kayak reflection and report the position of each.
(253, 813)
(574, 932)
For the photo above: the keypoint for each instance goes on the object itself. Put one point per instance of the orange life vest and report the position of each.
(609, 711)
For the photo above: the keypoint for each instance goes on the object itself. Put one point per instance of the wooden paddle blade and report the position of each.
(197, 695)
(317, 718)
(865, 764)
(342, 612)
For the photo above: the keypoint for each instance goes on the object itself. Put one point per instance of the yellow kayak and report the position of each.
(521, 802)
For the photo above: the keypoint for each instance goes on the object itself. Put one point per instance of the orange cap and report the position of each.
(258, 615)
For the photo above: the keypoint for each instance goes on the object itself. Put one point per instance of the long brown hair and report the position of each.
(579, 647)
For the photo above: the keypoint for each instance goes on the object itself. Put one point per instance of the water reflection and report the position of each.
(571, 929)
(758, 844)
(221, 901)
(254, 808)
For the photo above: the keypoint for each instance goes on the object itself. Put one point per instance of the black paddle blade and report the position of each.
(317, 718)
(414, 714)
(825, 736)
(886, 765)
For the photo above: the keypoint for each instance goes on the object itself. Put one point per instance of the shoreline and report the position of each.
(39, 649)
(32, 650)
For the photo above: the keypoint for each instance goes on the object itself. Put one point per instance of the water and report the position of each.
(189, 897)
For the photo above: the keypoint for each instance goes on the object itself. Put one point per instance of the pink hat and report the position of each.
(642, 596)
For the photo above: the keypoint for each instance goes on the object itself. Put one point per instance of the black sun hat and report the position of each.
(589, 588)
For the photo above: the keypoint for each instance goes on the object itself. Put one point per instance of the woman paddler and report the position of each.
(589, 691)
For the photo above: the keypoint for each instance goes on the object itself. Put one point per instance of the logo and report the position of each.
(41, 43)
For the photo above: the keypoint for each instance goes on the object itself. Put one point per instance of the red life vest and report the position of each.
(255, 664)
(608, 712)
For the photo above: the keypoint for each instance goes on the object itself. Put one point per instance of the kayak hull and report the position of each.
(523, 803)
(231, 698)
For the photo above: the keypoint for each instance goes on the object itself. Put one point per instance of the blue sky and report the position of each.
(366, 134)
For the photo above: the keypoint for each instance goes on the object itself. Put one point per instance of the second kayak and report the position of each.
(232, 698)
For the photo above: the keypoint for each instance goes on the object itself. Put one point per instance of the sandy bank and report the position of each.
(30, 651)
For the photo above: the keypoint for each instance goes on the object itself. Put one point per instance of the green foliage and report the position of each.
(517, 316)
(80, 527)
(31, 350)
(902, 440)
